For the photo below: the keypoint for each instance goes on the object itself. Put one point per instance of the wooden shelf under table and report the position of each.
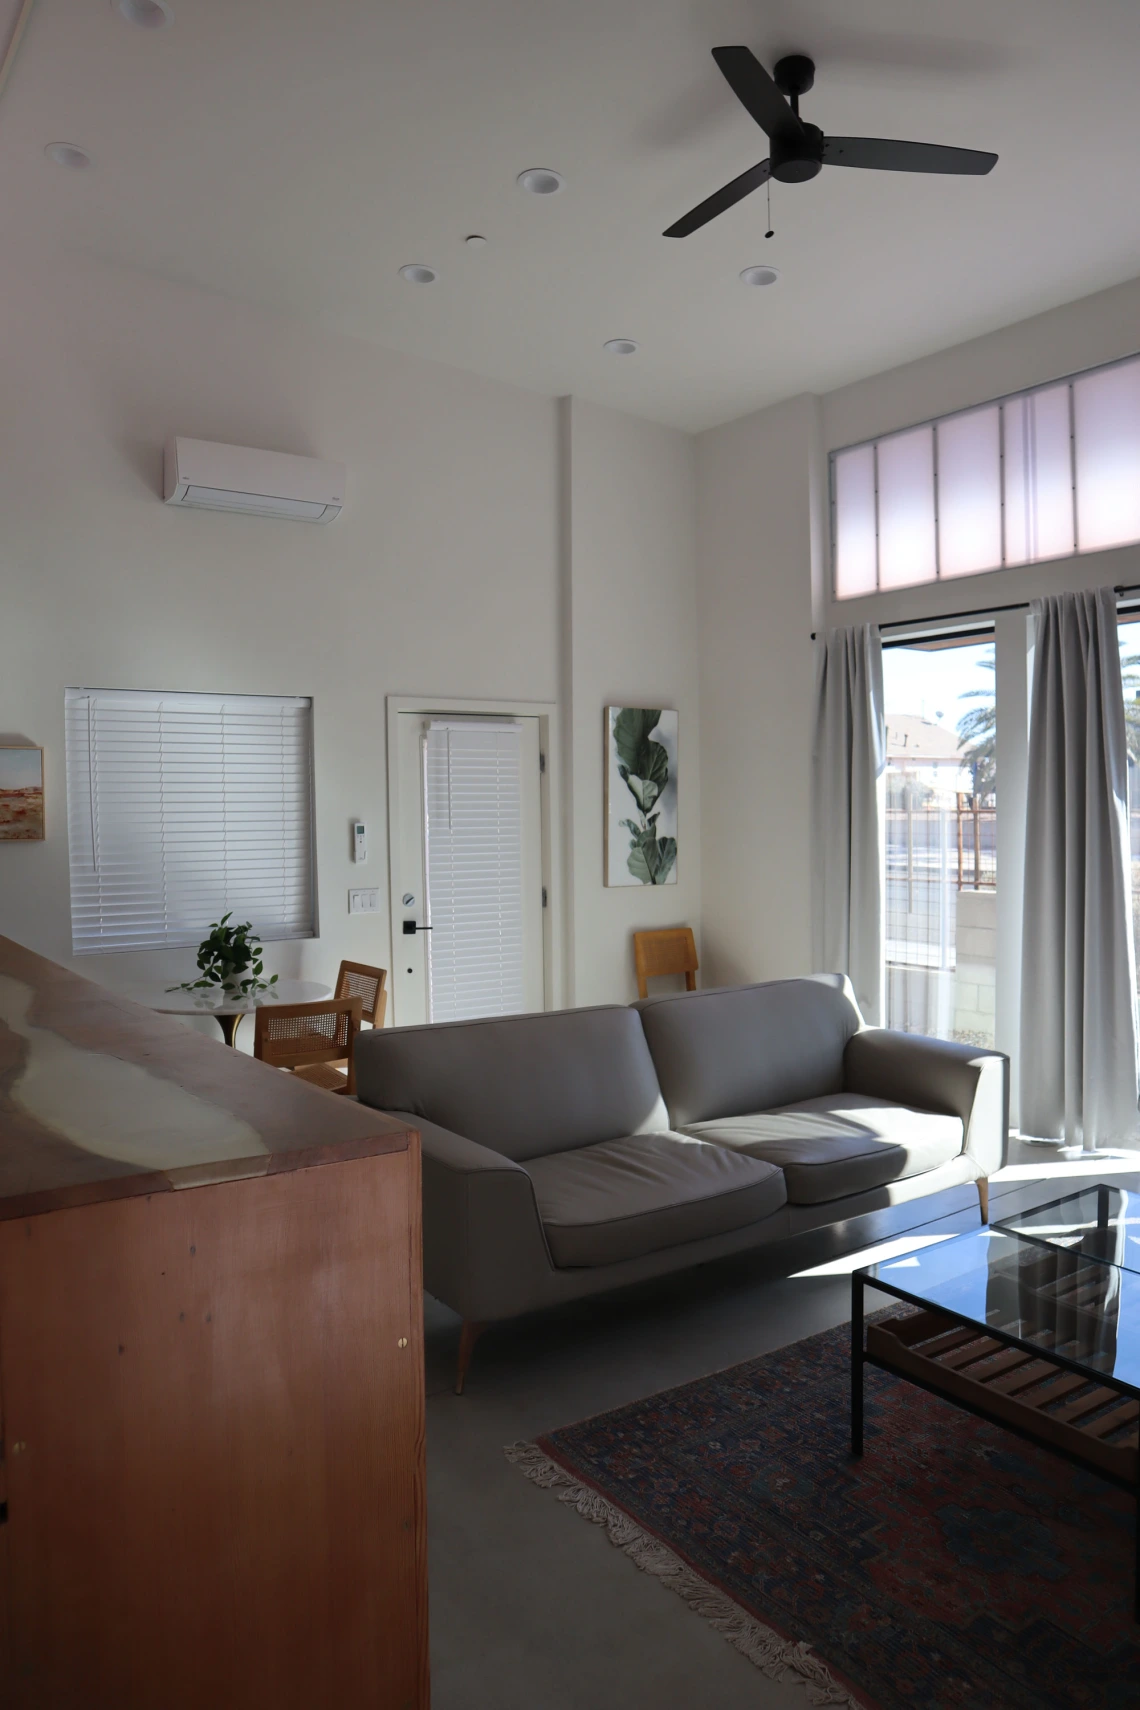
(1033, 1394)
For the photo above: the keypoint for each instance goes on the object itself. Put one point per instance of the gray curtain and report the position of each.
(1078, 1009)
(849, 755)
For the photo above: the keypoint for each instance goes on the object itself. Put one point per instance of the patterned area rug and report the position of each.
(954, 1568)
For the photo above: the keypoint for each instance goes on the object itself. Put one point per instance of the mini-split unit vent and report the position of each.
(260, 483)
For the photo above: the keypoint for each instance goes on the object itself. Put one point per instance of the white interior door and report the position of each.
(466, 868)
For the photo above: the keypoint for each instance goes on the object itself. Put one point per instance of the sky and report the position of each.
(931, 684)
(19, 768)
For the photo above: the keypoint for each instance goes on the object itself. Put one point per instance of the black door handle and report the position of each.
(410, 929)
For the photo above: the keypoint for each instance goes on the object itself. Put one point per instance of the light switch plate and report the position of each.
(364, 902)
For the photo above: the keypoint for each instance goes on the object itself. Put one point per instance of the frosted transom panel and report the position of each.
(969, 492)
(1044, 474)
(856, 543)
(1106, 433)
(1038, 469)
(907, 549)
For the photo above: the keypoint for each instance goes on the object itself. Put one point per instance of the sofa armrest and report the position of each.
(483, 1240)
(939, 1075)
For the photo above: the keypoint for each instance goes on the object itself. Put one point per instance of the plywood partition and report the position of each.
(213, 1419)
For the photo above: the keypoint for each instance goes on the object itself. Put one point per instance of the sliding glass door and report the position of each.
(941, 839)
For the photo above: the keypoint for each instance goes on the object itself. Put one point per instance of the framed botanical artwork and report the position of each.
(641, 796)
(21, 795)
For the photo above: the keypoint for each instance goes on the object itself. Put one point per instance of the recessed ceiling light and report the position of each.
(539, 180)
(416, 273)
(760, 275)
(67, 154)
(620, 346)
(147, 14)
(475, 241)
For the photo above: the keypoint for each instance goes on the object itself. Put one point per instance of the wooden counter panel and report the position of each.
(215, 1447)
(101, 1098)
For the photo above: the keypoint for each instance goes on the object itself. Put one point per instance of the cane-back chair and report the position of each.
(670, 950)
(310, 1036)
(355, 980)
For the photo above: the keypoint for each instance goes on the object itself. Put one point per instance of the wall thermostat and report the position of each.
(359, 842)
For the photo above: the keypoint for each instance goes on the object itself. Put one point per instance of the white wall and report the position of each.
(441, 577)
(630, 639)
(756, 501)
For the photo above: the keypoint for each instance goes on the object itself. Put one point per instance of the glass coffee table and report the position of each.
(1032, 1323)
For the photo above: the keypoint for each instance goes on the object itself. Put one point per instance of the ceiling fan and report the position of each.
(799, 150)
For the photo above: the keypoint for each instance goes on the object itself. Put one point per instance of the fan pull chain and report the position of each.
(769, 233)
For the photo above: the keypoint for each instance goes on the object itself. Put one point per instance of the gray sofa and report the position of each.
(571, 1152)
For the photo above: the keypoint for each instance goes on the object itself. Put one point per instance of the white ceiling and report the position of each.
(294, 154)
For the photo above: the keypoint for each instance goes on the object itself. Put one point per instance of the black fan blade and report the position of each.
(882, 155)
(755, 90)
(721, 199)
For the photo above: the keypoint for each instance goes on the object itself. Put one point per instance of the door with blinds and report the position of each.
(467, 868)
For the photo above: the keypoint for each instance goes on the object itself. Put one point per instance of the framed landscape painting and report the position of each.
(641, 796)
(21, 795)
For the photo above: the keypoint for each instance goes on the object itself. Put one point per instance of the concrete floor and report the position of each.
(531, 1607)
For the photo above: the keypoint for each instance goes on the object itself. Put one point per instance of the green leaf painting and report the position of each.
(641, 782)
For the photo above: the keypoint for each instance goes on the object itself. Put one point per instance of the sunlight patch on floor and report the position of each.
(873, 1255)
(1061, 1168)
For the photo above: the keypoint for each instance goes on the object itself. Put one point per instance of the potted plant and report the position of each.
(229, 961)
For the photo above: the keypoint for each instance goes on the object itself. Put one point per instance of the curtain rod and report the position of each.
(979, 612)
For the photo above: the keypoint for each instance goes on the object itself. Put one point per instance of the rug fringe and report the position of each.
(774, 1655)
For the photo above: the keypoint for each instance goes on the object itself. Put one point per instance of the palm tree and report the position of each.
(977, 733)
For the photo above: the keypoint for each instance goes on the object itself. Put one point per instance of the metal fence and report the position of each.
(932, 853)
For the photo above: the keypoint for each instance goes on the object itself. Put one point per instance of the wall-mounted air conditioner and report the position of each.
(261, 483)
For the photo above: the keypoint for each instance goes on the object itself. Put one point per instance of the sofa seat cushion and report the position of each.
(841, 1144)
(624, 1198)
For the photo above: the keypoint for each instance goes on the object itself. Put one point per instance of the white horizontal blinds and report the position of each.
(473, 814)
(184, 807)
(1045, 474)
(969, 492)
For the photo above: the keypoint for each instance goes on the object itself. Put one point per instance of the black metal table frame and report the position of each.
(860, 1358)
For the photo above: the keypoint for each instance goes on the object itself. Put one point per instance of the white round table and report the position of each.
(228, 1012)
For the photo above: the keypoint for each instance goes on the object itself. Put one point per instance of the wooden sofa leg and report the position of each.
(468, 1337)
(983, 1188)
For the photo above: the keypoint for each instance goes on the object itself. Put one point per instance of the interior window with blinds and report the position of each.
(474, 859)
(1045, 474)
(183, 807)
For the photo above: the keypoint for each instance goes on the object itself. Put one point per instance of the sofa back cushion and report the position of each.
(749, 1048)
(523, 1085)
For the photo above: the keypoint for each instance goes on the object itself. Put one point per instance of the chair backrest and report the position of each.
(289, 1035)
(669, 950)
(358, 980)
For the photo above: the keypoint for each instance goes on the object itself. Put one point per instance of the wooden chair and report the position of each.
(671, 950)
(355, 980)
(299, 1036)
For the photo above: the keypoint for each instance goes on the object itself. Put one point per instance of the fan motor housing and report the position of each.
(796, 159)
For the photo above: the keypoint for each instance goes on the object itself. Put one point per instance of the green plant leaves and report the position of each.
(224, 958)
(644, 770)
(651, 859)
